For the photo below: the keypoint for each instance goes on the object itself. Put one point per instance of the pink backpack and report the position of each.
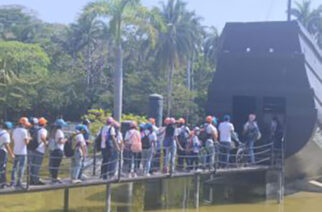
(136, 144)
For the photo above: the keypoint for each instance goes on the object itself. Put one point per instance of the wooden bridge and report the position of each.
(268, 160)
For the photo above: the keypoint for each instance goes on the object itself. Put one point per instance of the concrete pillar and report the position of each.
(66, 199)
(196, 190)
(108, 198)
(275, 185)
(156, 108)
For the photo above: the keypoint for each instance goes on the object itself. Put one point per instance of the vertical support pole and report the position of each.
(108, 198)
(280, 191)
(119, 165)
(196, 190)
(66, 199)
(171, 162)
(211, 195)
(28, 171)
(94, 159)
(289, 9)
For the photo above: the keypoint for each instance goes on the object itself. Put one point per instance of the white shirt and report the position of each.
(153, 137)
(181, 129)
(195, 144)
(19, 135)
(225, 129)
(41, 147)
(105, 129)
(4, 139)
(80, 140)
(119, 137)
(59, 135)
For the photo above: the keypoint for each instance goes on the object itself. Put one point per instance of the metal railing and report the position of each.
(151, 163)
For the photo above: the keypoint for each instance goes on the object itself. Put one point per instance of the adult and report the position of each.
(210, 139)
(21, 138)
(108, 134)
(120, 142)
(87, 134)
(148, 142)
(132, 145)
(37, 155)
(276, 132)
(170, 145)
(5, 149)
(251, 134)
(56, 149)
(182, 134)
(79, 153)
(112, 148)
(155, 164)
(226, 129)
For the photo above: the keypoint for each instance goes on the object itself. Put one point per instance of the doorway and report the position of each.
(242, 107)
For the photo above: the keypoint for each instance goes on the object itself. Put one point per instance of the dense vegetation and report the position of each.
(55, 69)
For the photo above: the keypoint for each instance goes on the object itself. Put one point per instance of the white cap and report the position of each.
(35, 120)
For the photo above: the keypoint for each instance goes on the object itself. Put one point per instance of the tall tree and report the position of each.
(178, 41)
(122, 15)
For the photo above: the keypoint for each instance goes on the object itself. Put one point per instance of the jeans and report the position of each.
(224, 153)
(104, 163)
(19, 167)
(146, 160)
(55, 159)
(170, 157)
(3, 163)
(210, 154)
(76, 164)
(136, 161)
(83, 164)
(36, 159)
(127, 160)
(112, 161)
(250, 151)
(193, 160)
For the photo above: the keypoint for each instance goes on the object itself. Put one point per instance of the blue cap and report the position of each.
(60, 122)
(142, 125)
(214, 120)
(80, 127)
(8, 125)
(148, 125)
(226, 117)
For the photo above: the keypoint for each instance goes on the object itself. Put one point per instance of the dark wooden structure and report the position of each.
(273, 69)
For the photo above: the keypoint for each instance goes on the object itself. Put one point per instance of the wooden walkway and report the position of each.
(95, 181)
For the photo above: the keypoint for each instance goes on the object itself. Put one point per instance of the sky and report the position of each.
(214, 12)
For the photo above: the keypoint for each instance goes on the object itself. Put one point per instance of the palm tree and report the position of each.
(210, 45)
(122, 15)
(178, 41)
(309, 18)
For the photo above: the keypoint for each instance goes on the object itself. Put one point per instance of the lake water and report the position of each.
(159, 196)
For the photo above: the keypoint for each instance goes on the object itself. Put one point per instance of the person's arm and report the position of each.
(113, 134)
(83, 148)
(27, 138)
(215, 134)
(9, 150)
(43, 138)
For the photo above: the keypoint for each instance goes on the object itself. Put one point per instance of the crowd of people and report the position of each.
(142, 150)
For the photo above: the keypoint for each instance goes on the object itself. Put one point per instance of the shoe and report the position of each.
(39, 183)
(76, 181)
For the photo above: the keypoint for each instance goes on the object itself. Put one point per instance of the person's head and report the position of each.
(116, 125)
(149, 126)
(167, 121)
(23, 121)
(152, 121)
(86, 122)
(60, 123)
(142, 126)
(34, 121)
(227, 118)
(172, 121)
(214, 121)
(209, 119)
(7, 125)
(133, 125)
(109, 120)
(251, 117)
(81, 128)
(42, 122)
(181, 122)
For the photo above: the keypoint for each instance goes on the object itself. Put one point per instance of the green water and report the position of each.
(167, 195)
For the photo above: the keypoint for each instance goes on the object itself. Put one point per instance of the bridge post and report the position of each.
(108, 198)
(119, 166)
(196, 190)
(66, 199)
(275, 185)
(94, 159)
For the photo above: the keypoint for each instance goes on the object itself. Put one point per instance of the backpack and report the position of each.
(136, 144)
(109, 143)
(182, 137)
(34, 143)
(146, 144)
(204, 136)
(252, 133)
(98, 141)
(69, 148)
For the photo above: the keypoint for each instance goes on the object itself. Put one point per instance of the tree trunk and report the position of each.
(188, 74)
(169, 90)
(118, 84)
